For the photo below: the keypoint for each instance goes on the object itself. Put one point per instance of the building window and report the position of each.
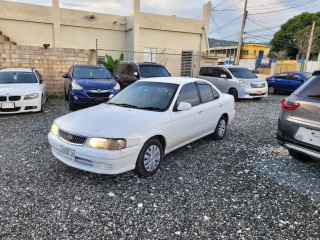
(150, 55)
(245, 52)
(255, 52)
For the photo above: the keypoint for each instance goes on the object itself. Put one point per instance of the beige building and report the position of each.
(179, 43)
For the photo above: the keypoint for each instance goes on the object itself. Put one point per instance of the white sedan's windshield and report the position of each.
(17, 77)
(152, 96)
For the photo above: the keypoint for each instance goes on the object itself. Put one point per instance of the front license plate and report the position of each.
(7, 105)
(99, 99)
(67, 152)
(259, 92)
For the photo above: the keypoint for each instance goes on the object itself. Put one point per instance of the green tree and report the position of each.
(110, 63)
(293, 36)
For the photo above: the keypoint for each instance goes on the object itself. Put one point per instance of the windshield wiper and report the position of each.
(124, 105)
(314, 96)
(151, 108)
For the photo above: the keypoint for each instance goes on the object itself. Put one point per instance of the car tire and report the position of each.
(221, 129)
(66, 97)
(299, 156)
(271, 90)
(234, 93)
(149, 158)
(72, 107)
(42, 104)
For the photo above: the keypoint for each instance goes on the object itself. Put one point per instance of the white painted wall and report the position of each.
(248, 63)
(312, 66)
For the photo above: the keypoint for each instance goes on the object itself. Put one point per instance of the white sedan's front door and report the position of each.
(185, 125)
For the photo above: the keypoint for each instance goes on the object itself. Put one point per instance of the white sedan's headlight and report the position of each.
(31, 96)
(55, 129)
(117, 87)
(243, 84)
(107, 143)
(76, 86)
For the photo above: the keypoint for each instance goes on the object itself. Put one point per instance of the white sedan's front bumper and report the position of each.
(95, 160)
(21, 106)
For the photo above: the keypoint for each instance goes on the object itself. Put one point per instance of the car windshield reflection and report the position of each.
(17, 77)
(151, 96)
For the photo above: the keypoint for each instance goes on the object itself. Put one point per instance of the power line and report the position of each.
(226, 24)
(261, 25)
(277, 15)
(223, 2)
(284, 9)
(197, 16)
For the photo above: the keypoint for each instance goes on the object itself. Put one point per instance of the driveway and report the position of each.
(245, 186)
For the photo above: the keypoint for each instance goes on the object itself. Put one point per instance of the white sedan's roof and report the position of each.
(176, 80)
(16, 70)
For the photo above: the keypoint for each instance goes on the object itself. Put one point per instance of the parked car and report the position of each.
(139, 125)
(129, 72)
(87, 85)
(240, 82)
(316, 73)
(298, 124)
(21, 90)
(287, 82)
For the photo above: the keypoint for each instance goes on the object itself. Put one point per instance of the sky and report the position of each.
(264, 16)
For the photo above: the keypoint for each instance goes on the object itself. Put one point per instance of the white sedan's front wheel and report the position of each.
(149, 158)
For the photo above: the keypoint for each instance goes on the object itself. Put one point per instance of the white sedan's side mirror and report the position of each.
(184, 106)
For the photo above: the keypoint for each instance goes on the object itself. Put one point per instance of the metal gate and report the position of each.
(186, 64)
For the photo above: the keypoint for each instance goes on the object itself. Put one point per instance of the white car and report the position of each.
(21, 90)
(139, 125)
(238, 81)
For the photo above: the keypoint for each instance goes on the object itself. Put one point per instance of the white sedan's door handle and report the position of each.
(200, 112)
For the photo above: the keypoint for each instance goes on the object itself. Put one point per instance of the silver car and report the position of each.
(299, 121)
(237, 81)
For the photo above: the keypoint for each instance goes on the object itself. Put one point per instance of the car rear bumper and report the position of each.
(292, 144)
(95, 160)
(22, 106)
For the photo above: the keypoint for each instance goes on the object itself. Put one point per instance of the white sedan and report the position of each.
(139, 125)
(21, 90)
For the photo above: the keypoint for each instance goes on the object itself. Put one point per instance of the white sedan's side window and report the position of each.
(205, 93)
(189, 94)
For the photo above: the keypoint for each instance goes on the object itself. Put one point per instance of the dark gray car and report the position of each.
(299, 121)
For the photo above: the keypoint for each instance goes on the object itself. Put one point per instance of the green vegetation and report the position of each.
(293, 36)
(110, 63)
(221, 43)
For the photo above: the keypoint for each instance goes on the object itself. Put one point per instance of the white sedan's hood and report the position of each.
(108, 121)
(20, 89)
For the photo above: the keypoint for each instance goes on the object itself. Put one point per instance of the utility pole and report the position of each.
(244, 17)
(310, 43)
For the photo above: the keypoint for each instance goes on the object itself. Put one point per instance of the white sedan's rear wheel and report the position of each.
(221, 129)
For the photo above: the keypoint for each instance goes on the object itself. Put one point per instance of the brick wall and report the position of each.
(52, 63)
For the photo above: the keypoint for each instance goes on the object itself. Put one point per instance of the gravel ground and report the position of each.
(244, 187)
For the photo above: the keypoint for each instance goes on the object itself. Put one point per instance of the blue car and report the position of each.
(287, 82)
(87, 85)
